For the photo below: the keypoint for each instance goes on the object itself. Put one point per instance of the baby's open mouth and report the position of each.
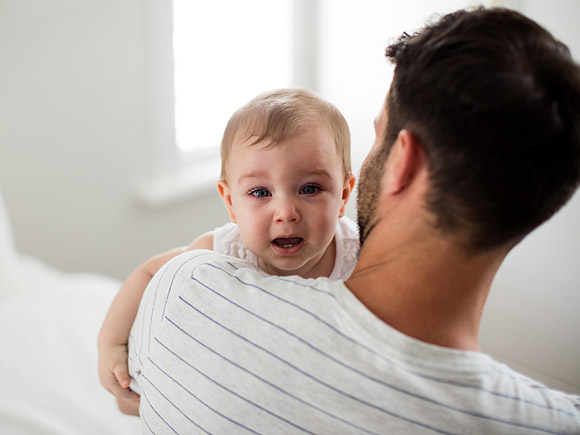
(288, 242)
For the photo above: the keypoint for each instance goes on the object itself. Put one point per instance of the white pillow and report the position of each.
(21, 274)
(6, 239)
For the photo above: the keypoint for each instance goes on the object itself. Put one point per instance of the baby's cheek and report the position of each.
(250, 230)
(327, 224)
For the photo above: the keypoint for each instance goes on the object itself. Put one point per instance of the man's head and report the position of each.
(279, 115)
(494, 101)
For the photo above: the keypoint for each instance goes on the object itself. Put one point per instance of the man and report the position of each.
(477, 144)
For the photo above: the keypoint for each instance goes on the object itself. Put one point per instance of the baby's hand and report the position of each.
(114, 372)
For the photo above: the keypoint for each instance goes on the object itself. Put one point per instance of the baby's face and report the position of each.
(286, 200)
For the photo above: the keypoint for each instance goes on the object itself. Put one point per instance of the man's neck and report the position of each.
(425, 287)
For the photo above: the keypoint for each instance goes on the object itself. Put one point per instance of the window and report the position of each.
(204, 60)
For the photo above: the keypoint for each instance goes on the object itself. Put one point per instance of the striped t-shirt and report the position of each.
(218, 346)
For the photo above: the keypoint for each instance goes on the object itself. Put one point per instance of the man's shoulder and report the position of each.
(207, 279)
(208, 273)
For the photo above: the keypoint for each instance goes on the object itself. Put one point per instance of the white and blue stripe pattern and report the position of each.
(218, 347)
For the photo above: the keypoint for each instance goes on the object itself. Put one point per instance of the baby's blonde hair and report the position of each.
(281, 114)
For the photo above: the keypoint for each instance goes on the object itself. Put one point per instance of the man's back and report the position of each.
(221, 348)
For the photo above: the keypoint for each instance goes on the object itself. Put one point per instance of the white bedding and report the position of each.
(48, 367)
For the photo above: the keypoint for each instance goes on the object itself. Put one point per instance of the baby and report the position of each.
(285, 180)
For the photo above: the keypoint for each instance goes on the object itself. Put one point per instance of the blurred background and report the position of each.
(110, 113)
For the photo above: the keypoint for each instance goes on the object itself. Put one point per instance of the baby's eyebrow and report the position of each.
(305, 172)
(322, 172)
(254, 174)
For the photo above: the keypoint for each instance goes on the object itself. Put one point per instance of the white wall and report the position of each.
(75, 146)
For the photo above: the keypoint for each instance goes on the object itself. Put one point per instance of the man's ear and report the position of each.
(405, 160)
(346, 191)
(224, 191)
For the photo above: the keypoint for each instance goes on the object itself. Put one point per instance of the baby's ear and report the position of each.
(347, 188)
(224, 191)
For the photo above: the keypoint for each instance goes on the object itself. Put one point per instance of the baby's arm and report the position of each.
(114, 334)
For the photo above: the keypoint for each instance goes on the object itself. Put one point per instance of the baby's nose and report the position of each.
(286, 211)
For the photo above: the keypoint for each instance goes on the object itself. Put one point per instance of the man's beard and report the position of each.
(369, 187)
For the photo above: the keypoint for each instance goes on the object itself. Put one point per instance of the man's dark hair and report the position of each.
(494, 100)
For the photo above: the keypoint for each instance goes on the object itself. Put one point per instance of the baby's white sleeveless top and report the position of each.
(226, 240)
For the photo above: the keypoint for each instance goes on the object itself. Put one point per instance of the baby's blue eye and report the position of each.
(260, 193)
(310, 189)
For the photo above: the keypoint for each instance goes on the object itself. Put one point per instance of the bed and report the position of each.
(49, 322)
